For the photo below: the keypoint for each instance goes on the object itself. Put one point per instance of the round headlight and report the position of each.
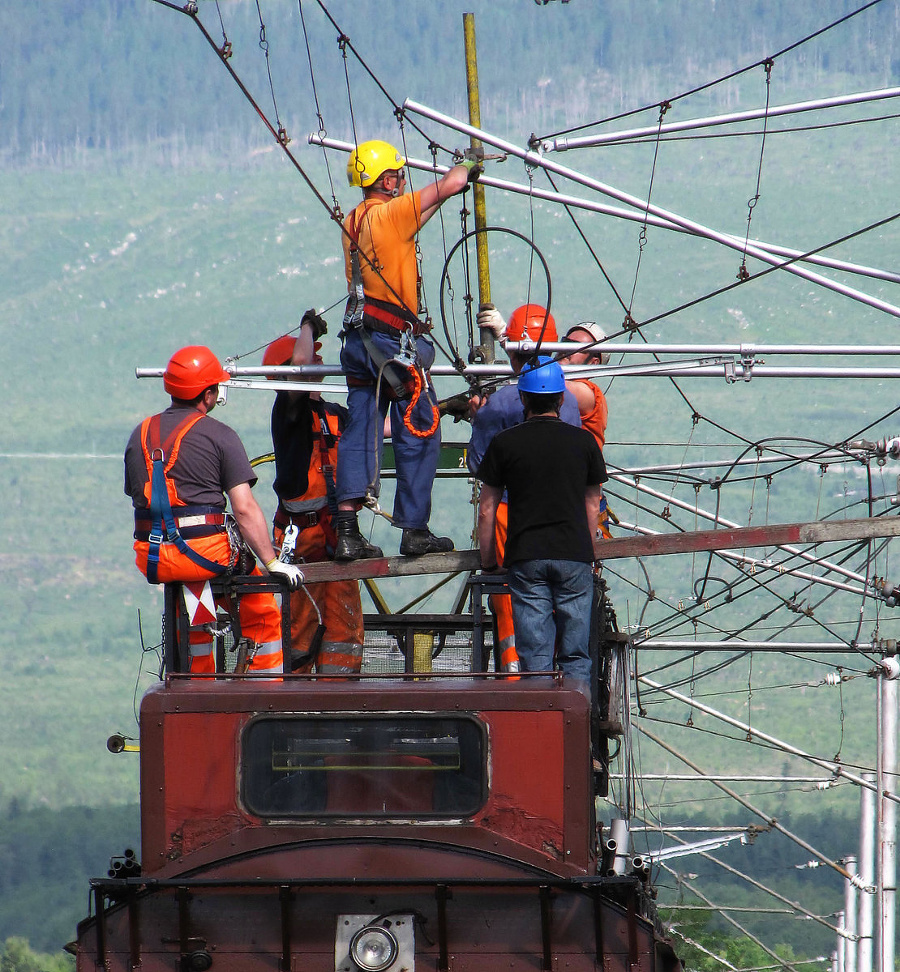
(373, 948)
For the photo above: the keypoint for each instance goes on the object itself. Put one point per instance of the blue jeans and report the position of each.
(540, 588)
(361, 445)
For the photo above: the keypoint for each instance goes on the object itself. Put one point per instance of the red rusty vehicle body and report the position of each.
(383, 823)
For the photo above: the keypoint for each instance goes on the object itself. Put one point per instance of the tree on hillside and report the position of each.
(17, 956)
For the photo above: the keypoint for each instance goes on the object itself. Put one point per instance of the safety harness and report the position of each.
(365, 315)
(160, 458)
(304, 518)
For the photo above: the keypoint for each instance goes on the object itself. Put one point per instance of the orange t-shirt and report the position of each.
(595, 420)
(387, 235)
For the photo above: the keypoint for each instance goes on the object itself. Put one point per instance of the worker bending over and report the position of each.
(591, 401)
(380, 326)
(179, 467)
(326, 618)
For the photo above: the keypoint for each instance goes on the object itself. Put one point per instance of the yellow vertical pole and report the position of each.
(485, 352)
(423, 650)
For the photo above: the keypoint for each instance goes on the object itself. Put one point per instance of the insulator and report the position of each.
(890, 667)
(889, 592)
(833, 678)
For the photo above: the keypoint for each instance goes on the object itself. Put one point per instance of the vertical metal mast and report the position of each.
(867, 875)
(485, 352)
(850, 924)
(888, 699)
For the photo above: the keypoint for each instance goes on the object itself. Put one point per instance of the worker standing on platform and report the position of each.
(179, 467)
(326, 619)
(386, 354)
(552, 473)
(502, 410)
(591, 401)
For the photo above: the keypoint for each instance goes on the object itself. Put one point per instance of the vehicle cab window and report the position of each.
(357, 766)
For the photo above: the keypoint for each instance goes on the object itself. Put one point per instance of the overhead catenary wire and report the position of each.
(725, 77)
(770, 820)
(724, 912)
(575, 202)
(730, 118)
(838, 769)
(533, 158)
(795, 906)
(270, 386)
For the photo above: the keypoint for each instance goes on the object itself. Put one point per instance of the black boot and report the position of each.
(416, 542)
(351, 544)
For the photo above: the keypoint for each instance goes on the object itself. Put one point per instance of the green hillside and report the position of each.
(142, 209)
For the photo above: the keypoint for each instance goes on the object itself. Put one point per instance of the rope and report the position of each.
(407, 417)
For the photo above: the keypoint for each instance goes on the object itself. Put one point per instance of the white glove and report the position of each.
(489, 318)
(288, 572)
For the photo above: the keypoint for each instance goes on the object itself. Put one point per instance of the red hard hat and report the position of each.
(528, 320)
(191, 370)
(280, 351)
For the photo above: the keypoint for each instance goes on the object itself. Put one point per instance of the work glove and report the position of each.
(473, 169)
(286, 572)
(457, 406)
(489, 317)
(316, 322)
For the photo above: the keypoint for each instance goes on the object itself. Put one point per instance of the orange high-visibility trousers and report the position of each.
(341, 651)
(259, 615)
(501, 604)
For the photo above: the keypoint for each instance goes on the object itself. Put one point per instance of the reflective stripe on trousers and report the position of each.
(341, 651)
(501, 604)
(259, 614)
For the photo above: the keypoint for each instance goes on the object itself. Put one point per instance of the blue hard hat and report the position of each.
(542, 377)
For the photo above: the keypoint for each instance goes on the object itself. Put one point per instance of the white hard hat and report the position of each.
(597, 334)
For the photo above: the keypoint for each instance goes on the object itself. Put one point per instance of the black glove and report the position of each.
(316, 322)
(457, 406)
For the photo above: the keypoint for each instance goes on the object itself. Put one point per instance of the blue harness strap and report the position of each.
(161, 512)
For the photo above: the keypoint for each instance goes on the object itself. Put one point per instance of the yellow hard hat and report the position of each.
(369, 159)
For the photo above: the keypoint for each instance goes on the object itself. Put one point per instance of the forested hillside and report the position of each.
(77, 77)
(143, 207)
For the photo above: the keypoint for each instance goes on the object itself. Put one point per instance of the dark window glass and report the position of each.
(416, 766)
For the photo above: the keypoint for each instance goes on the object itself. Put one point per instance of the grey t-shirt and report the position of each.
(211, 460)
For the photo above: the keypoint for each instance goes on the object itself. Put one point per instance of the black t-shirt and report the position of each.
(546, 466)
(292, 439)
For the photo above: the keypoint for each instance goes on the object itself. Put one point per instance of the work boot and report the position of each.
(416, 542)
(351, 544)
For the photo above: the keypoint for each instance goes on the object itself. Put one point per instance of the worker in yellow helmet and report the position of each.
(380, 325)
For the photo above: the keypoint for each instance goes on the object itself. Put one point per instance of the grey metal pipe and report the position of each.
(838, 769)
(711, 121)
(576, 202)
(866, 874)
(536, 159)
(827, 647)
(851, 900)
(731, 524)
